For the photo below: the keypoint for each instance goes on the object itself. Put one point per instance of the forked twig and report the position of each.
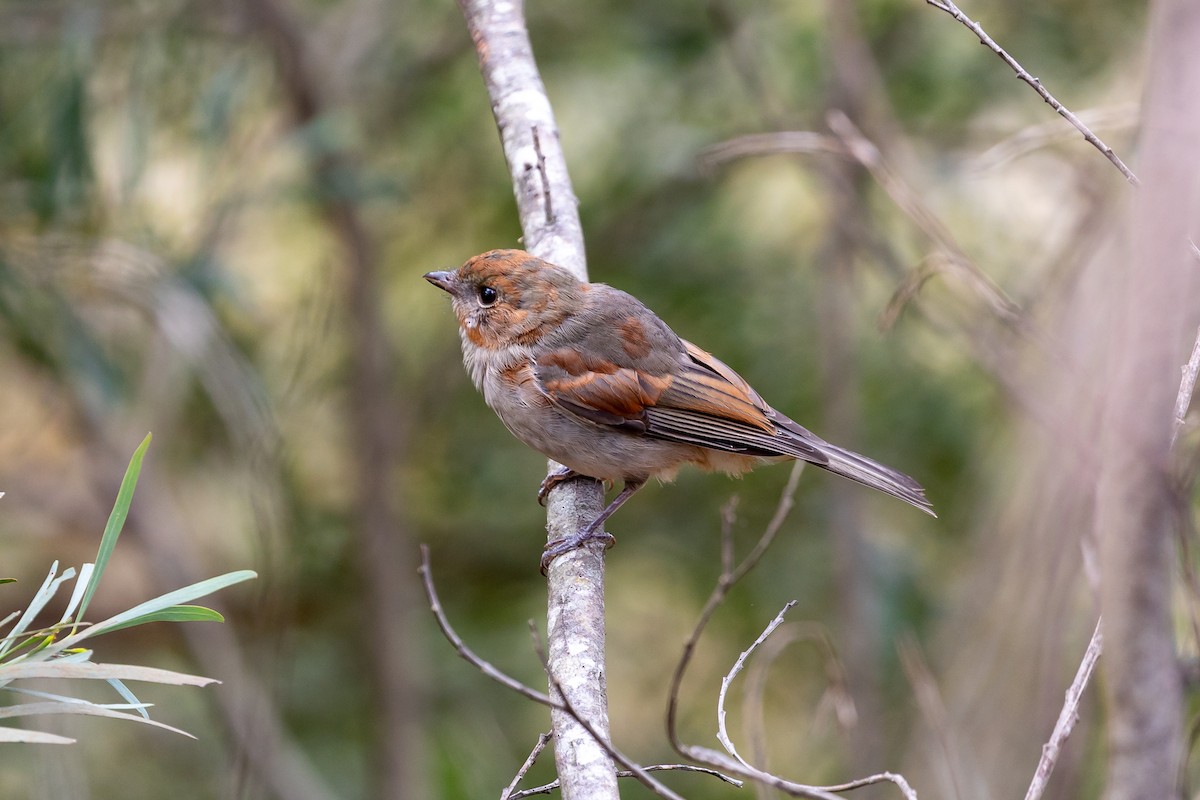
(637, 770)
(730, 575)
(468, 655)
(950, 8)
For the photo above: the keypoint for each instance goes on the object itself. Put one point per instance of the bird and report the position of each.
(590, 377)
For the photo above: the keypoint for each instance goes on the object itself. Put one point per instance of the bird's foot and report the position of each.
(566, 544)
(554, 479)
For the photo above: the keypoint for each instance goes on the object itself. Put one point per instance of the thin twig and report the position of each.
(541, 168)
(1067, 717)
(460, 647)
(543, 739)
(950, 8)
(1186, 386)
(722, 731)
(1069, 714)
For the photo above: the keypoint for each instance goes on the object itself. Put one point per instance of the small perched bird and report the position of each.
(590, 377)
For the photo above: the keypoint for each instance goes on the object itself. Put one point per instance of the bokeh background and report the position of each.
(214, 217)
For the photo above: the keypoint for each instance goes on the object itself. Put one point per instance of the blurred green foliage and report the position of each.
(166, 263)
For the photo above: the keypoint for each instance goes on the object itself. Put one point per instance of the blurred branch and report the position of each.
(933, 707)
(837, 695)
(910, 202)
(1153, 291)
(550, 220)
(850, 142)
(1067, 717)
(1043, 134)
(950, 8)
(378, 430)
(764, 144)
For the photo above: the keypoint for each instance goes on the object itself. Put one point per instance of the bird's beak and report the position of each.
(443, 280)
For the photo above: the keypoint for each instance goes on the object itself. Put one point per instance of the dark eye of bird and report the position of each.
(488, 295)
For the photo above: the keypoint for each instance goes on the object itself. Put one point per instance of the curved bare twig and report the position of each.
(950, 8)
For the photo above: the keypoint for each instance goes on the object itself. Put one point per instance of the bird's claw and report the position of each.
(554, 479)
(566, 544)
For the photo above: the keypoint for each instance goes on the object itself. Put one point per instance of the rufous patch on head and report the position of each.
(633, 338)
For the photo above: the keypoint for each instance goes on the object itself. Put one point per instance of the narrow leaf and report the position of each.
(60, 668)
(62, 698)
(129, 696)
(161, 603)
(38, 709)
(85, 576)
(116, 521)
(32, 737)
(172, 614)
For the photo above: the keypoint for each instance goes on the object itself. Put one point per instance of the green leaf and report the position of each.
(161, 603)
(172, 614)
(8, 580)
(116, 521)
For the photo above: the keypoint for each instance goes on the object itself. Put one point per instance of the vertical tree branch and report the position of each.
(550, 221)
(1154, 294)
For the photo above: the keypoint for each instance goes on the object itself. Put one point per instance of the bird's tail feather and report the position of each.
(871, 473)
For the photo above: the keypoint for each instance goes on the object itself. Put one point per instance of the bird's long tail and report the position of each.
(871, 473)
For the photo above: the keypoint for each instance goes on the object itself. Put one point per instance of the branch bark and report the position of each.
(550, 220)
